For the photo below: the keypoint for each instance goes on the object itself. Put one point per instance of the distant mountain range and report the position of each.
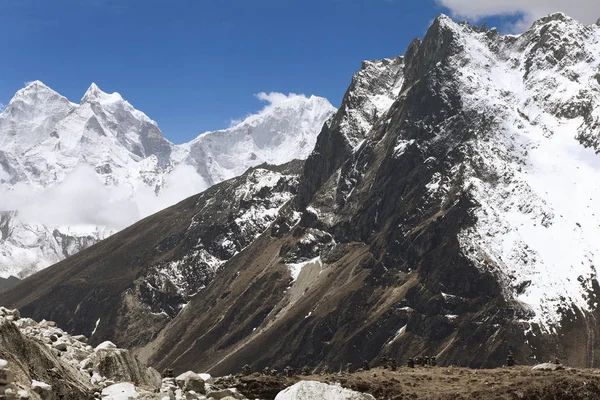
(72, 174)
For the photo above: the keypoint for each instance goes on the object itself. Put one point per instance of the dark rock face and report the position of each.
(33, 360)
(395, 280)
(120, 365)
(351, 123)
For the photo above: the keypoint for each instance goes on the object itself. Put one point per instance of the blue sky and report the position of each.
(194, 65)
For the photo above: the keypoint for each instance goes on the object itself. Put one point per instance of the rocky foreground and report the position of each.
(41, 361)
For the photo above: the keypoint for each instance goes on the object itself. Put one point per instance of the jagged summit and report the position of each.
(92, 93)
(95, 94)
(289, 125)
(46, 140)
(34, 92)
(35, 85)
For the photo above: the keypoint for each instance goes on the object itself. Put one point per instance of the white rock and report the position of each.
(190, 381)
(38, 385)
(3, 363)
(120, 391)
(97, 379)
(60, 346)
(547, 367)
(311, 390)
(80, 338)
(106, 346)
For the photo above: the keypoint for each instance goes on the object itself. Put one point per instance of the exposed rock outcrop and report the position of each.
(48, 363)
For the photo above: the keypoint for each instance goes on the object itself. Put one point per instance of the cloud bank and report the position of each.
(81, 199)
(586, 11)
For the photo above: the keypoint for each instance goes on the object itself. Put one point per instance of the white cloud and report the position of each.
(274, 99)
(235, 122)
(180, 184)
(81, 199)
(586, 11)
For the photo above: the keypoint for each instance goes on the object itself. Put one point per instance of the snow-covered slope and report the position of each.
(287, 128)
(76, 173)
(535, 173)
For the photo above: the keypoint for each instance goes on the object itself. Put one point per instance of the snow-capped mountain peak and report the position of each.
(288, 125)
(50, 149)
(30, 115)
(95, 95)
(527, 167)
(112, 103)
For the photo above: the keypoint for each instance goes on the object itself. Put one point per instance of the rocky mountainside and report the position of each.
(449, 208)
(72, 174)
(130, 289)
(7, 283)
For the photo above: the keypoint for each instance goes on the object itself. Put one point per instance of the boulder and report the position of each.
(190, 381)
(310, 390)
(191, 395)
(81, 338)
(47, 324)
(123, 390)
(108, 345)
(5, 312)
(547, 367)
(60, 346)
(42, 389)
(122, 366)
(31, 359)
